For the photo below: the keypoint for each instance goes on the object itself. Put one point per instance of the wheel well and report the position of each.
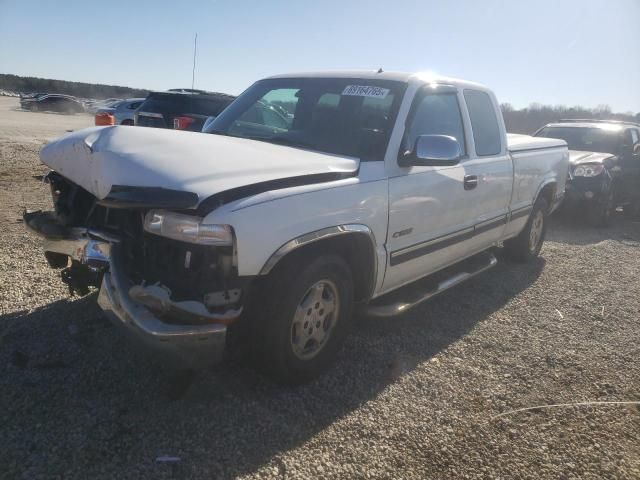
(356, 249)
(548, 193)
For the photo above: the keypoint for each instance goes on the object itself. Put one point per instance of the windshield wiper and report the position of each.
(279, 140)
(219, 132)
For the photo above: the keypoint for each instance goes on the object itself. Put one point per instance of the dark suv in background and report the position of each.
(604, 169)
(181, 109)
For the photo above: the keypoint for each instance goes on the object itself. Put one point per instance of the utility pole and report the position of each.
(193, 73)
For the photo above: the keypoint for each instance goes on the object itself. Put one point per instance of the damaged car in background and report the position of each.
(366, 190)
(604, 169)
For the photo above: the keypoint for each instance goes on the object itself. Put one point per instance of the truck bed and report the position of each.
(536, 158)
(517, 142)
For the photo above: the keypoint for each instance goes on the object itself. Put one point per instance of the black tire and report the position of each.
(525, 247)
(601, 214)
(127, 122)
(276, 331)
(631, 210)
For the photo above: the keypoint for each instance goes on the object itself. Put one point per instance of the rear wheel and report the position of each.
(527, 245)
(127, 122)
(34, 107)
(304, 319)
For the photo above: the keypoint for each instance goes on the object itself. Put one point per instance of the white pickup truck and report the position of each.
(310, 195)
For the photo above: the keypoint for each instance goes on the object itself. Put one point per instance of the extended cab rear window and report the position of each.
(484, 123)
(343, 116)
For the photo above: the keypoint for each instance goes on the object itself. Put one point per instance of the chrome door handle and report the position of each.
(470, 182)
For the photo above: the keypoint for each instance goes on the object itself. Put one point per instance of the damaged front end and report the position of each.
(175, 288)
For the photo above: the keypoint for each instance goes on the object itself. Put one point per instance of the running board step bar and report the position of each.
(405, 298)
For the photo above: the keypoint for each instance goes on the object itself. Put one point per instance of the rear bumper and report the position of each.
(171, 329)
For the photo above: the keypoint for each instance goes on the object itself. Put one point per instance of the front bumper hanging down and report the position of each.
(186, 330)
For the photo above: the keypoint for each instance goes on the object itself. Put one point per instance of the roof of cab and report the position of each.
(426, 77)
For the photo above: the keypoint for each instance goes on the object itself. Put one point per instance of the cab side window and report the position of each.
(435, 114)
(484, 123)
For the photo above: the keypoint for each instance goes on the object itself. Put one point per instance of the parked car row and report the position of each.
(56, 102)
(8, 93)
(92, 106)
(119, 112)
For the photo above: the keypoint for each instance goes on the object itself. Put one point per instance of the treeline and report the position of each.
(98, 91)
(530, 119)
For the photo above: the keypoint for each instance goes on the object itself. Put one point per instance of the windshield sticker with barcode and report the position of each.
(365, 91)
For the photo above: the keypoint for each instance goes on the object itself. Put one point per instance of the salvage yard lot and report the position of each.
(411, 397)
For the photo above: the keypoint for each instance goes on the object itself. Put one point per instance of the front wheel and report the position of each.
(527, 245)
(304, 319)
(600, 215)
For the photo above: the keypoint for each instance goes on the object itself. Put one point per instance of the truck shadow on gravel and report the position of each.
(77, 396)
(574, 230)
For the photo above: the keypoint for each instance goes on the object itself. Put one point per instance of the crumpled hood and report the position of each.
(100, 157)
(577, 157)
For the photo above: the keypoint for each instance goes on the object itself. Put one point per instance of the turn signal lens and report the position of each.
(104, 118)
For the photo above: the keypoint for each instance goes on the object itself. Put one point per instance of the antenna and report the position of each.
(193, 73)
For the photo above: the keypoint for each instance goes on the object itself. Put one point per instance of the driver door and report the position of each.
(431, 210)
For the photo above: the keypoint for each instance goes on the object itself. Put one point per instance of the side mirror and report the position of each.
(433, 150)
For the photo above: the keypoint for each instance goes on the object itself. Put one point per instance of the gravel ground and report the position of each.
(412, 397)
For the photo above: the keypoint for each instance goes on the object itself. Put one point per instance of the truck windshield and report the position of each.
(343, 116)
(587, 139)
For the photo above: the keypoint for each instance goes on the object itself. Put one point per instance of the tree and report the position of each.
(506, 107)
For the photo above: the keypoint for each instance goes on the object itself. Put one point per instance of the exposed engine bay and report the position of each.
(178, 281)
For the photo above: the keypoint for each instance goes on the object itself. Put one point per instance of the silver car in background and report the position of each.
(118, 113)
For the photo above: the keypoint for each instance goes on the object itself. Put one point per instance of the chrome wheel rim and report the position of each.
(314, 319)
(535, 234)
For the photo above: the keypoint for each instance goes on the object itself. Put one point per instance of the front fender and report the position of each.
(317, 236)
(266, 231)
